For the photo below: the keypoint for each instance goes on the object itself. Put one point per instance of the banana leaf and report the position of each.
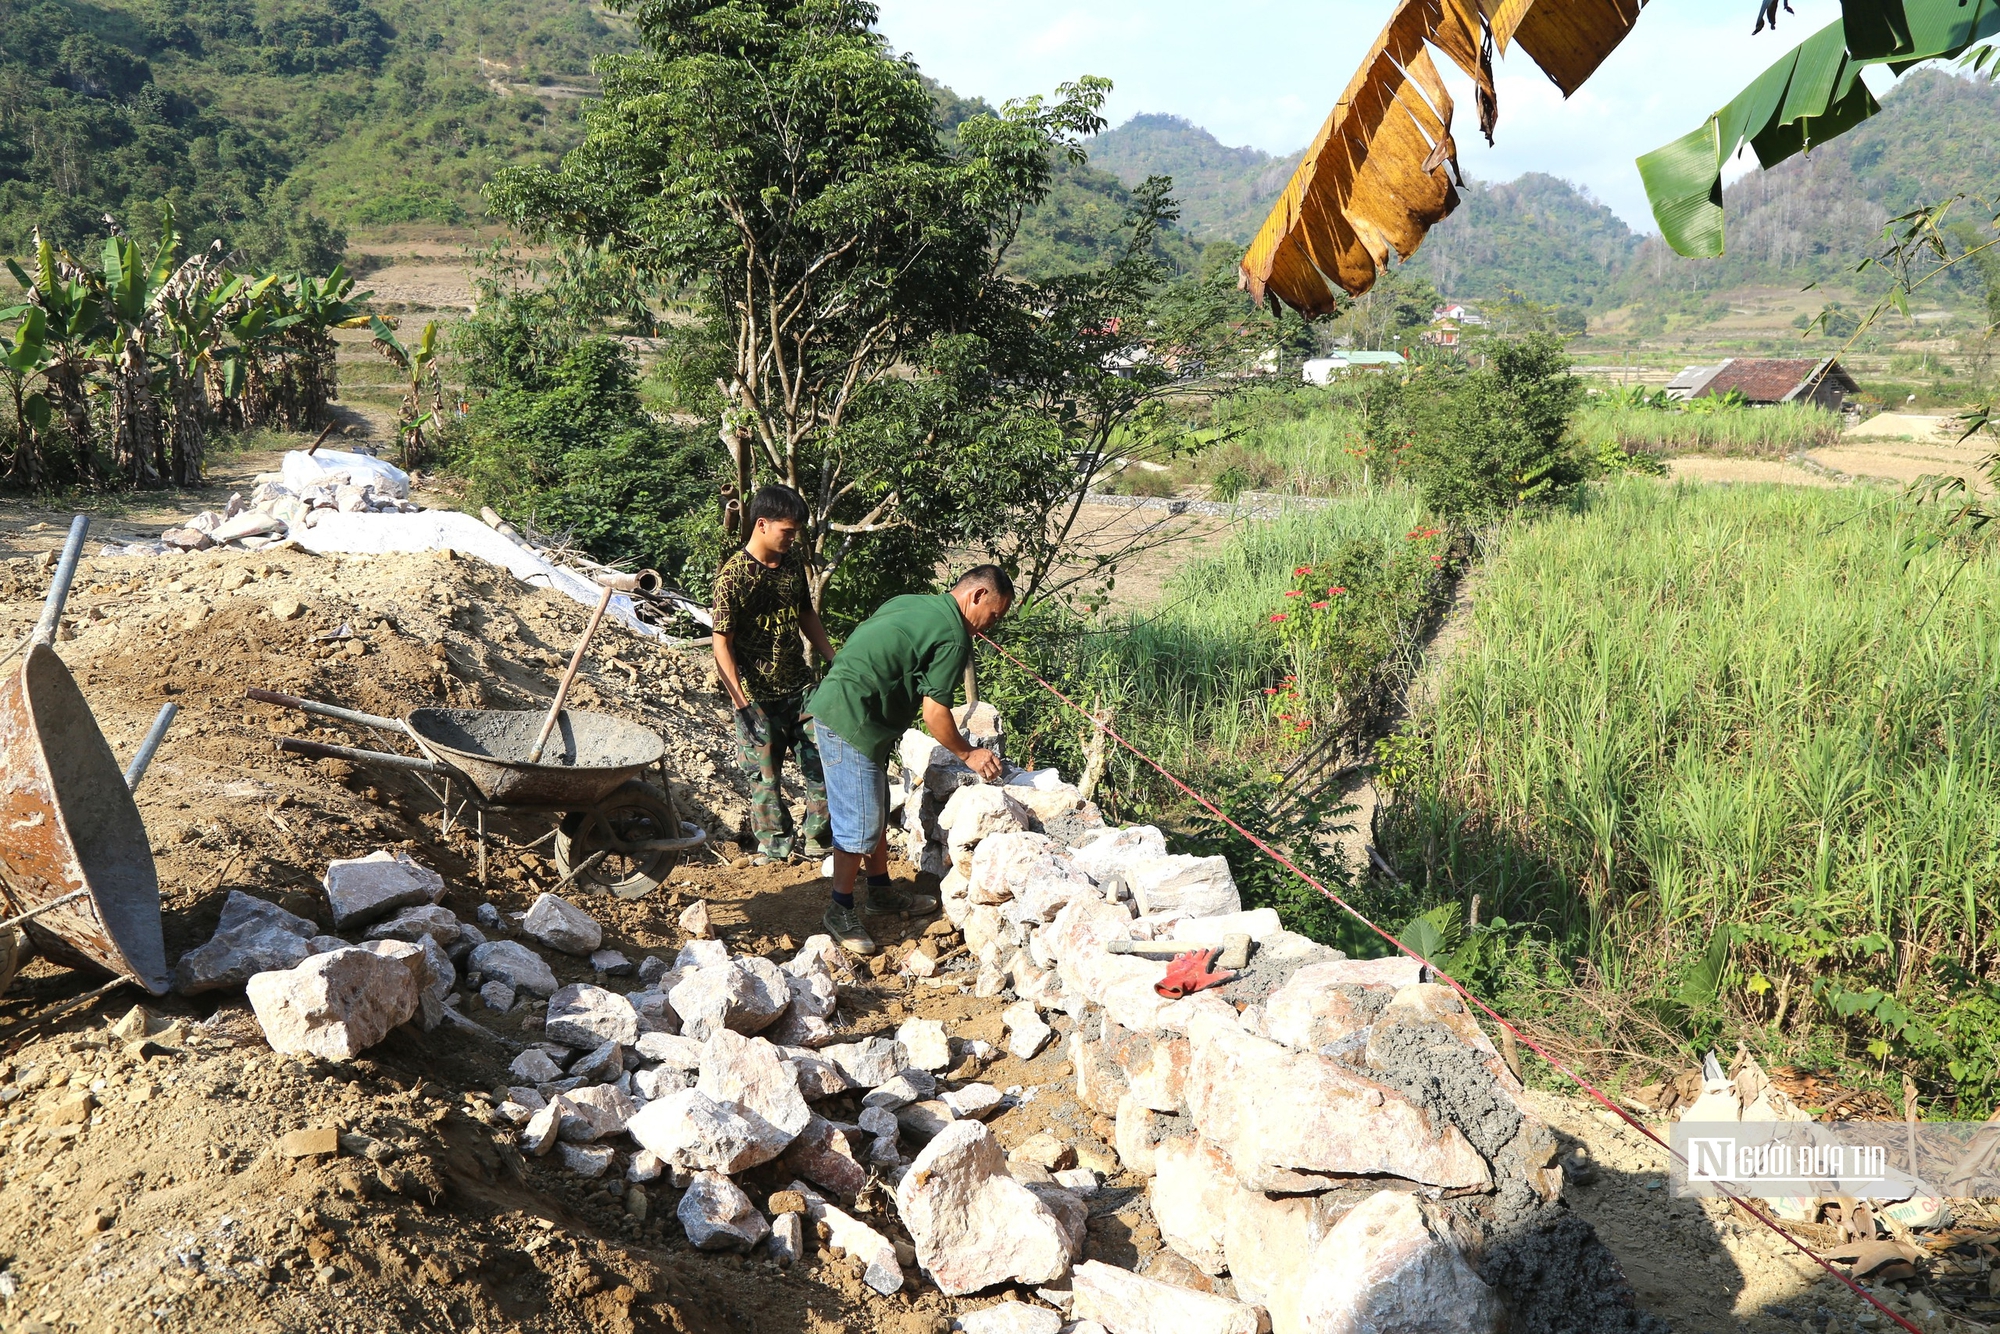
(1813, 94)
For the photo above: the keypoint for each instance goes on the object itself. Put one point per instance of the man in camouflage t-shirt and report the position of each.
(763, 615)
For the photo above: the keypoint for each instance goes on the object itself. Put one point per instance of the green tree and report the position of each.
(1486, 441)
(779, 164)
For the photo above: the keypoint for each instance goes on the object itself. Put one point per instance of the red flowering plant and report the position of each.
(1344, 621)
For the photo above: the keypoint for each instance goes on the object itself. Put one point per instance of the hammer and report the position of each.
(1235, 949)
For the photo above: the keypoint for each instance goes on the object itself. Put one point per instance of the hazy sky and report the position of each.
(1265, 73)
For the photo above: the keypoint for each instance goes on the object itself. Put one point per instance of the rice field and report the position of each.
(1770, 714)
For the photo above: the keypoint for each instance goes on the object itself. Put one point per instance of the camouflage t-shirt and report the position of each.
(758, 607)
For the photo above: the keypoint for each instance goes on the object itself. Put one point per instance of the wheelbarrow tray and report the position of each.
(68, 823)
(588, 757)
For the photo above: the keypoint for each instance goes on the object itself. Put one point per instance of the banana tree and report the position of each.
(23, 359)
(241, 380)
(192, 308)
(131, 284)
(71, 300)
(420, 363)
(310, 380)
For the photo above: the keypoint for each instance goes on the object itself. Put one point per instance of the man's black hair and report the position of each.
(990, 577)
(776, 501)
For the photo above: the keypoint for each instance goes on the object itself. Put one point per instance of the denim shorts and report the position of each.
(857, 793)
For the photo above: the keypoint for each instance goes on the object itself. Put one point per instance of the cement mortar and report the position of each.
(1558, 1278)
(1555, 1274)
(1450, 1081)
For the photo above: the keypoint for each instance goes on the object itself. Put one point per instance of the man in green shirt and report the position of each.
(763, 617)
(906, 659)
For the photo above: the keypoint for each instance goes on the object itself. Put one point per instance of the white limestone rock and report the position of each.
(1330, 1121)
(694, 1133)
(868, 1063)
(1190, 1190)
(980, 811)
(252, 936)
(412, 924)
(743, 995)
(974, 1101)
(1026, 1033)
(1197, 886)
(515, 964)
(788, 1239)
(535, 1066)
(823, 1155)
(1009, 1318)
(1385, 1266)
(362, 889)
(581, 1015)
(718, 1216)
(587, 1160)
(924, 1044)
(1129, 1304)
(594, 1112)
(334, 1006)
(753, 1075)
(972, 1223)
(1111, 851)
(669, 1049)
(560, 925)
(881, 1269)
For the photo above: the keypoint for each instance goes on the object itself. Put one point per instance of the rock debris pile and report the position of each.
(310, 485)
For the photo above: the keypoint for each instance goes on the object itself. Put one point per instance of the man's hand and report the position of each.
(984, 763)
(750, 720)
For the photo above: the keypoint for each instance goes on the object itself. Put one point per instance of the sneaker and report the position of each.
(844, 925)
(900, 902)
(814, 852)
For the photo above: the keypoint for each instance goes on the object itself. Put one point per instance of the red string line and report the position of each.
(1286, 862)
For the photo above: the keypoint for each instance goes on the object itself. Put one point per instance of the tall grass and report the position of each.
(1295, 439)
(1769, 709)
(1766, 432)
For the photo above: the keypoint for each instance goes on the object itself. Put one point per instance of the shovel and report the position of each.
(613, 583)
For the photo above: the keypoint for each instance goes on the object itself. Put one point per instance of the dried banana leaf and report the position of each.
(1380, 173)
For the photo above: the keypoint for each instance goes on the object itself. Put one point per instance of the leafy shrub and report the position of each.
(574, 453)
(1486, 441)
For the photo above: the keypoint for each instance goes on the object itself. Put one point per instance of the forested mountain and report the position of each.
(1223, 192)
(274, 123)
(1810, 219)
(279, 125)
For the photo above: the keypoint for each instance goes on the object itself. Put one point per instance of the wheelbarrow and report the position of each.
(615, 833)
(76, 868)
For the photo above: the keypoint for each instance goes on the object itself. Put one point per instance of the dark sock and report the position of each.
(879, 881)
(841, 900)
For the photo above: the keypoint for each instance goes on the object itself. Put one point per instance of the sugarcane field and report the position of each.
(767, 665)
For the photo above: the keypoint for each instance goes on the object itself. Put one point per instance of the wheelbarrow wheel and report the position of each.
(634, 813)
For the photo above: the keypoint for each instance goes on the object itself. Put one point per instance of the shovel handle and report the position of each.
(562, 688)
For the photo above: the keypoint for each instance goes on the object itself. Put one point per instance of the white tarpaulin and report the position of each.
(330, 468)
(435, 530)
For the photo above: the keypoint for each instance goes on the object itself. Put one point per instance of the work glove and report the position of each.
(750, 722)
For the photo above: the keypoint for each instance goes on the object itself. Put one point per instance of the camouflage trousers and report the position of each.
(763, 759)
